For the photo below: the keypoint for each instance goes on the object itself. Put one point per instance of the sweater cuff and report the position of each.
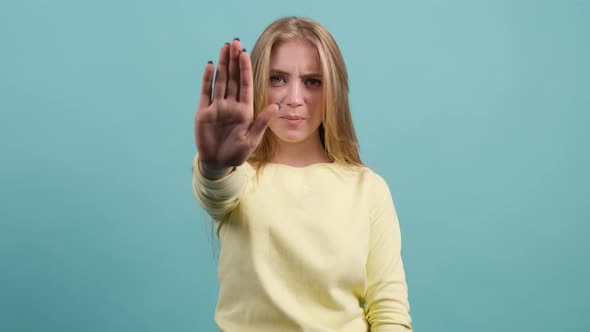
(226, 186)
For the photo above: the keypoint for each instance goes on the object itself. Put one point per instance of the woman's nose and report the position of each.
(294, 96)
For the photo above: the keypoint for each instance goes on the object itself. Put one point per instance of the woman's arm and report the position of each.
(226, 130)
(387, 307)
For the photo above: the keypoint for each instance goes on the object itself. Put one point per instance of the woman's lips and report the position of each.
(293, 119)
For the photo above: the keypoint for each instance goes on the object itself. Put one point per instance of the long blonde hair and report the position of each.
(336, 131)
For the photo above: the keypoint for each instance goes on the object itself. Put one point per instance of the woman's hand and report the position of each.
(226, 132)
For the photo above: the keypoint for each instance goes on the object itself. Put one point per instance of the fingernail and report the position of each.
(209, 62)
(226, 43)
(243, 50)
(238, 39)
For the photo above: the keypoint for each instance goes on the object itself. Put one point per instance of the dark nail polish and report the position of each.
(226, 43)
(243, 50)
(238, 39)
(209, 62)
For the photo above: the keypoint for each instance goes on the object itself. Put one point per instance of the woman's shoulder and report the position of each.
(372, 178)
(362, 170)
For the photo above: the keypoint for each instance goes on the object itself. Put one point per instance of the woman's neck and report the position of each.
(300, 154)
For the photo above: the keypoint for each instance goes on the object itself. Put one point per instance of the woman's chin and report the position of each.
(290, 139)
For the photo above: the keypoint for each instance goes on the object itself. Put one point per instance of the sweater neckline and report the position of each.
(320, 164)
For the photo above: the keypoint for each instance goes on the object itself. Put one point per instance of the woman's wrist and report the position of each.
(213, 173)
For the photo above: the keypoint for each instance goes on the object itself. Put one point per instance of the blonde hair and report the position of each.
(336, 131)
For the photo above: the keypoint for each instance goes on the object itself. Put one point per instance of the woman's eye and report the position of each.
(313, 82)
(276, 79)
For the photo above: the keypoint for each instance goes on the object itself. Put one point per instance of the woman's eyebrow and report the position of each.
(312, 75)
(278, 71)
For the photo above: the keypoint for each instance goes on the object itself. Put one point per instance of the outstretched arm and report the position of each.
(226, 130)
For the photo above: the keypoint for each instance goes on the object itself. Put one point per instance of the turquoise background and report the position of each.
(475, 112)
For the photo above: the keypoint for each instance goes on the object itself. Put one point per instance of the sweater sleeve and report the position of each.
(387, 308)
(218, 197)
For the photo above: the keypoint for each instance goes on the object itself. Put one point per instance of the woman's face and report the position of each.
(296, 81)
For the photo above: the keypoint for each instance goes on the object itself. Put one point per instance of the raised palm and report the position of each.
(226, 132)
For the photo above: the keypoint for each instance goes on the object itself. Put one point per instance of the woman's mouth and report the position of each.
(293, 119)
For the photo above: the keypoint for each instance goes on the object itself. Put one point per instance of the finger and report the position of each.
(246, 79)
(206, 86)
(262, 121)
(234, 70)
(221, 74)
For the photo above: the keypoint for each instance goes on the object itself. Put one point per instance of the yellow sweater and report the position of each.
(313, 248)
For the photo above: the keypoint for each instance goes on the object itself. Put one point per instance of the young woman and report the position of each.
(309, 236)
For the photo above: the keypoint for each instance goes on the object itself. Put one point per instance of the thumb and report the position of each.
(262, 121)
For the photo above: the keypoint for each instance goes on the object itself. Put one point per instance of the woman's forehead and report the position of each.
(297, 53)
